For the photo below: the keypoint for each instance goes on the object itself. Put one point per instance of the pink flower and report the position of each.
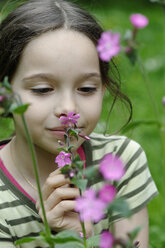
(106, 240)
(70, 119)
(83, 136)
(108, 45)
(111, 167)
(90, 207)
(62, 159)
(139, 20)
(1, 98)
(163, 100)
(107, 193)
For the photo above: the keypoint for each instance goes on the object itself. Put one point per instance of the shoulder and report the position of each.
(137, 185)
(121, 146)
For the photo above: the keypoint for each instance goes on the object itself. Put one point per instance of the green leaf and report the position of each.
(70, 148)
(66, 236)
(80, 183)
(155, 1)
(121, 206)
(132, 235)
(73, 132)
(135, 124)
(18, 109)
(65, 169)
(70, 245)
(91, 172)
(93, 241)
(6, 84)
(27, 240)
(132, 56)
(79, 164)
(77, 158)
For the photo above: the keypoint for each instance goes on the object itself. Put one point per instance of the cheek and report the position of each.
(93, 111)
(37, 112)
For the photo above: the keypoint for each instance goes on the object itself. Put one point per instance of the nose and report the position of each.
(65, 105)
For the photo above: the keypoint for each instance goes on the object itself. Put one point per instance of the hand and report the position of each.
(59, 201)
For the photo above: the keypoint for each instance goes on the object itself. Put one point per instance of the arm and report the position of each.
(124, 226)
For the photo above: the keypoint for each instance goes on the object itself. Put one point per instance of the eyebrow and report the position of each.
(39, 76)
(48, 77)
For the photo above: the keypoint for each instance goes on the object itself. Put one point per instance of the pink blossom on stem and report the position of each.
(163, 100)
(62, 159)
(106, 240)
(83, 136)
(111, 167)
(90, 207)
(108, 45)
(107, 193)
(71, 174)
(1, 98)
(70, 119)
(139, 20)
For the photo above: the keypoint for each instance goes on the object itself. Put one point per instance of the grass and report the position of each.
(115, 15)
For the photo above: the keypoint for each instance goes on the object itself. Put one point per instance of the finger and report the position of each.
(53, 182)
(63, 207)
(59, 195)
(55, 172)
(55, 217)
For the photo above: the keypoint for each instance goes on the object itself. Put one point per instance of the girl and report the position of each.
(48, 51)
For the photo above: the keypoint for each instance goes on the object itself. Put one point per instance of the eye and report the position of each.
(87, 89)
(41, 90)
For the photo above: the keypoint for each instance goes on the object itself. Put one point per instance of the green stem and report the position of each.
(134, 32)
(31, 146)
(83, 227)
(147, 83)
(84, 234)
(162, 134)
(163, 7)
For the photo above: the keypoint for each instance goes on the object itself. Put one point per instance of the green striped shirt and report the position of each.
(19, 217)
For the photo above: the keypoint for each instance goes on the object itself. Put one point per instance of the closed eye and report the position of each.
(41, 90)
(87, 89)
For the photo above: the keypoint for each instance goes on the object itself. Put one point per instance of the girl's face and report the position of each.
(58, 73)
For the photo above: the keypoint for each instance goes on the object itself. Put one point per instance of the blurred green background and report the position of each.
(115, 15)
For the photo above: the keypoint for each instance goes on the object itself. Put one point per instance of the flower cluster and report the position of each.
(63, 159)
(109, 43)
(92, 205)
(70, 119)
(112, 168)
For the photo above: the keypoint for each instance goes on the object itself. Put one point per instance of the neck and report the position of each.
(21, 155)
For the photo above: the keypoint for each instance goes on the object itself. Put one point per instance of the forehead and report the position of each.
(54, 49)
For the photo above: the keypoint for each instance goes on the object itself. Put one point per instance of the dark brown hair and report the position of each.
(36, 17)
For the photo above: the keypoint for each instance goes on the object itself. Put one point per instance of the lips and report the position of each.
(62, 128)
(59, 131)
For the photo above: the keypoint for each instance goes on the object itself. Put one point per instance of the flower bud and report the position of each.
(139, 20)
(163, 101)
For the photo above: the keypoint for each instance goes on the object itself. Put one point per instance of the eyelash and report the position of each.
(41, 90)
(87, 90)
(84, 90)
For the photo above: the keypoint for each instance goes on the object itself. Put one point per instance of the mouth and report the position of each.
(60, 131)
(63, 128)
